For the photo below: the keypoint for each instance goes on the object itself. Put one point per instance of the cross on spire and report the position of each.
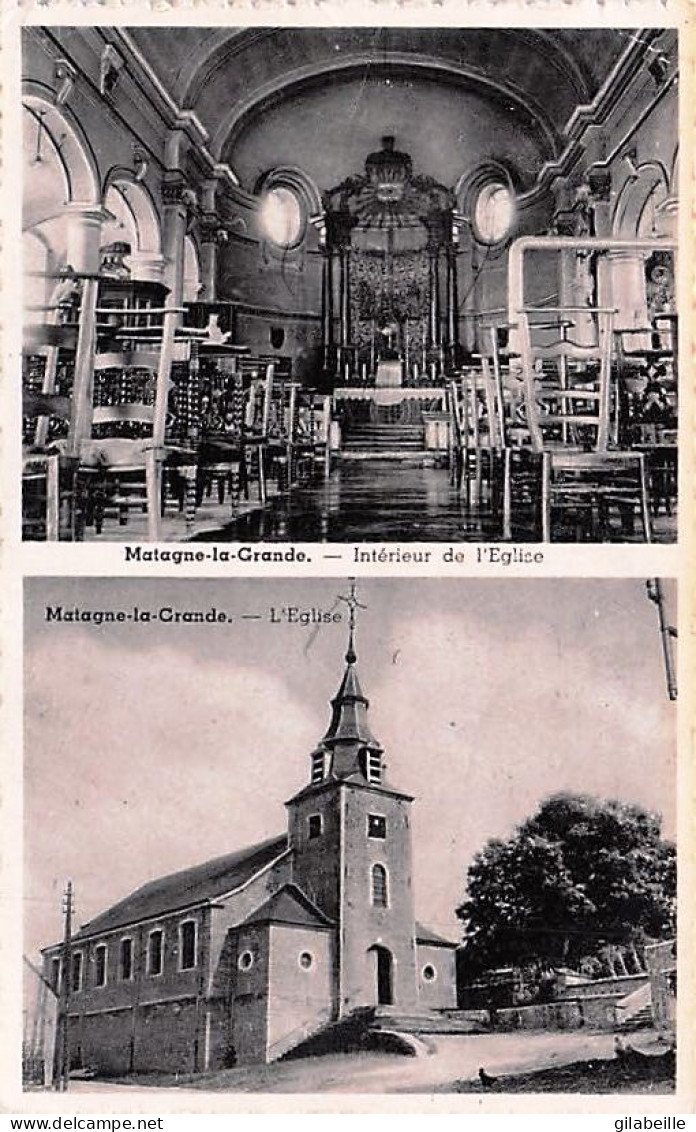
(352, 602)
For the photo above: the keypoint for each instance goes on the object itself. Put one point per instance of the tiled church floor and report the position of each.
(382, 501)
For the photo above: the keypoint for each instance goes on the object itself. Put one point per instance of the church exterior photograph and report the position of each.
(202, 933)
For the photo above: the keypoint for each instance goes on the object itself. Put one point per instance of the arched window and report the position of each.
(380, 889)
(76, 982)
(125, 959)
(155, 952)
(100, 965)
(188, 945)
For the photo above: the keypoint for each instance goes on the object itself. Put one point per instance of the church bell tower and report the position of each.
(350, 834)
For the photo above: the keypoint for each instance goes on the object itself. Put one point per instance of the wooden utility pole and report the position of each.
(667, 634)
(61, 1074)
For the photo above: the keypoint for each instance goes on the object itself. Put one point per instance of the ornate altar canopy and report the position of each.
(388, 228)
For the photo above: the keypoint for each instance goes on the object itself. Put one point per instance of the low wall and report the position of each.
(596, 1013)
(617, 987)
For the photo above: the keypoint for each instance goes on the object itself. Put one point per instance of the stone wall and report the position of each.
(301, 988)
(616, 987)
(439, 992)
(595, 1013)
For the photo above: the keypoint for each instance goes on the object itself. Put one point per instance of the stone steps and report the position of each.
(427, 1022)
(384, 438)
(638, 1021)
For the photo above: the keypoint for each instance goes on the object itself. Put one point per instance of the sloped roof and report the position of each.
(426, 935)
(189, 886)
(349, 710)
(289, 905)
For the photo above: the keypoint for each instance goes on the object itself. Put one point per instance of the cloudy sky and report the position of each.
(153, 747)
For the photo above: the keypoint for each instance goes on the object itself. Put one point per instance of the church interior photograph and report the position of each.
(345, 284)
(348, 837)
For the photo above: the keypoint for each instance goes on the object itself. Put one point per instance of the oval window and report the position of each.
(282, 217)
(306, 960)
(245, 961)
(493, 213)
(429, 972)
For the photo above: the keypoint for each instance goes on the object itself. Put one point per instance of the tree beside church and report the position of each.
(582, 883)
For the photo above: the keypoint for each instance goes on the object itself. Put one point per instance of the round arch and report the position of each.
(674, 176)
(136, 208)
(78, 163)
(354, 63)
(634, 196)
(382, 963)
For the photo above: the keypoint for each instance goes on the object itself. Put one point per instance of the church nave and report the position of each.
(350, 283)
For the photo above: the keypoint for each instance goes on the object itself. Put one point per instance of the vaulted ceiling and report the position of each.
(321, 98)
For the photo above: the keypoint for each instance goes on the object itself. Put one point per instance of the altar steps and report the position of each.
(381, 440)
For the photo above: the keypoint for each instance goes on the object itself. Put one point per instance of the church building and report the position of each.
(238, 960)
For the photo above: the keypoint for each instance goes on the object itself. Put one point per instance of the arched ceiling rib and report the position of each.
(567, 64)
(233, 78)
(410, 68)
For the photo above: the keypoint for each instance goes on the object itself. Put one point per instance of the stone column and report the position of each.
(628, 291)
(453, 309)
(327, 303)
(177, 198)
(212, 235)
(344, 310)
(434, 295)
(147, 267)
(599, 180)
(210, 242)
(84, 224)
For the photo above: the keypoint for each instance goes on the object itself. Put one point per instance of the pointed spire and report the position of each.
(351, 655)
(349, 706)
(348, 751)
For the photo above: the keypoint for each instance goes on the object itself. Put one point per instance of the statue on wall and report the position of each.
(659, 284)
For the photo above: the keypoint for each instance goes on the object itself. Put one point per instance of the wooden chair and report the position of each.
(47, 370)
(569, 398)
(124, 454)
(216, 427)
(126, 451)
(647, 382)
(479, 462)
(520, 467)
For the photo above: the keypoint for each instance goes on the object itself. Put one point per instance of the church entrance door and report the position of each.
(383, 966)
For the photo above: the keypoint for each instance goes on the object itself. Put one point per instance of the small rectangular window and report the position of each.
(376, 826)
(76, 980)
(318, 765)
(100, 966)
(314, 826)
(155, 952)
(55, 974)
(125, 964)
(188, 945)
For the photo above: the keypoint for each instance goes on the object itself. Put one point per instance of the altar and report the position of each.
(389, 275)
(427, 396)
(388, 375)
